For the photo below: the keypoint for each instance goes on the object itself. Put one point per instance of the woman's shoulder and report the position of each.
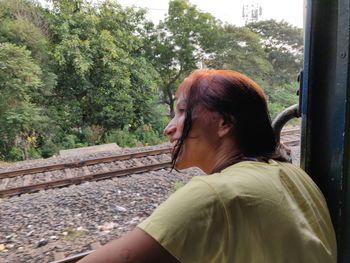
(254, 179)
(247, 170)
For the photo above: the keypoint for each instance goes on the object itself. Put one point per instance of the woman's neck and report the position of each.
(226, 154)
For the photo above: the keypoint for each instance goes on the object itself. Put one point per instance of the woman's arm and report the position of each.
(134, 247)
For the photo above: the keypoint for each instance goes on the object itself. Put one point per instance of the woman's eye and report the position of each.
(181, 110)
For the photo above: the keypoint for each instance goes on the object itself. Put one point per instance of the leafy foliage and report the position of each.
(238, 48)
(179, 44)
(20, 118)
(99, 65)
(283, 44)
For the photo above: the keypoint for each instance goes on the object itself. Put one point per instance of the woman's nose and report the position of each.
(169, 129)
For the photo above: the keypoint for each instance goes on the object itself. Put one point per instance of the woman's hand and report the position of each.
(134, 247)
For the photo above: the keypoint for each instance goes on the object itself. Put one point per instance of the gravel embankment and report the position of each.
(67, 220)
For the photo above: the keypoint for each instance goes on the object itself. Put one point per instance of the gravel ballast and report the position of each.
(33, 226)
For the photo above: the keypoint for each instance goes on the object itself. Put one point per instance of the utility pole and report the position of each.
(251, 13)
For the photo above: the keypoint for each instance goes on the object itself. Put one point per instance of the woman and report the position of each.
(250, 208)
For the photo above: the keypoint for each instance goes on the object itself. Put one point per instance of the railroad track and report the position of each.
(44, 177)
(64, 174)
(290, 137)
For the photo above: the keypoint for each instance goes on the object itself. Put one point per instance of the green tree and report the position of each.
(20, 119)
(100, 65)
(23, 23)
(238, 48)
(178, 45)
(283, 44)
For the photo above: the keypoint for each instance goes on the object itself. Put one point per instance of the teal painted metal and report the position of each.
(325, 109)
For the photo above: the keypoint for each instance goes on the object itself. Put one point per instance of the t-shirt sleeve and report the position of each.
(191, 224)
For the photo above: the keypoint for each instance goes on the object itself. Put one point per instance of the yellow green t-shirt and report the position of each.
(249, 212)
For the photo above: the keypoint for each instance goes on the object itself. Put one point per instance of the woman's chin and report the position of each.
(180, 165)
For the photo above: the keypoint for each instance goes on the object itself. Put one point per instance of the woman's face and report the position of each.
(200, 144)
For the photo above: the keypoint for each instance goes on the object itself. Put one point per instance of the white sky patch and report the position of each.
(229, 11)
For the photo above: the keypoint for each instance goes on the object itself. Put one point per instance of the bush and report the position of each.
(147, 135)
(71, 141)
(15, 154)
(92, 135)
(48, 149)
(34, 153)
(158, 118)
(143, 135)
(123, 138)
(275, 109)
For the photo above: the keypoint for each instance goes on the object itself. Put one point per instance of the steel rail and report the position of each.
(291, 142)
(291, 131)
(81, 179)
(59, 166)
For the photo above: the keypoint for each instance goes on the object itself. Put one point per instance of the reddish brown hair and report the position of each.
(240, 101)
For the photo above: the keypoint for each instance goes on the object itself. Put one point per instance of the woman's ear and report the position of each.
(224, 128)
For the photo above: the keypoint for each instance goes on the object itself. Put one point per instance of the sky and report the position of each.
(229, 11)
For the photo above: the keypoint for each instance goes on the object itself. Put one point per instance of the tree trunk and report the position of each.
(171, 101)
(25, 153)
